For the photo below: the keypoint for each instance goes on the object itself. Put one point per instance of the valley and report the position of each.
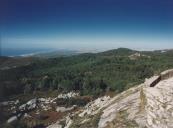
(88, 90)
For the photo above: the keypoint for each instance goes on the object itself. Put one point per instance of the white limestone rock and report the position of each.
(63, 109)
(68, 95)
(29, 105)
(95, 106)
(12, 119)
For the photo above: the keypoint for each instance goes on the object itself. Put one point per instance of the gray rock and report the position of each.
(12, 119)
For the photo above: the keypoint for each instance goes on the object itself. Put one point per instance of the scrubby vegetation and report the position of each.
(91, 74)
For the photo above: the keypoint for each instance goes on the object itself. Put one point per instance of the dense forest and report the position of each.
(89, 73)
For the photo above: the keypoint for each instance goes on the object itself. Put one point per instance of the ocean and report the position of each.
(22, 52)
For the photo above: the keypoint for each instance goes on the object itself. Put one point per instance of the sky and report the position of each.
(86, 24)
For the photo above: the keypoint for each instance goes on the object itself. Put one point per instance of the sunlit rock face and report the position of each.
(159, 107)
(128, 104)
(144, 105)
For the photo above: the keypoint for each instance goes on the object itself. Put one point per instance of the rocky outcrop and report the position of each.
(68, 95)
(95, 106)
(19, 111)
(159, 107)
(149, 105)
(29, 105)
(128, 102)
(63, 109)
(137, 55)
(151, 82)
(167, 74)
(12, 119)
(156, 79)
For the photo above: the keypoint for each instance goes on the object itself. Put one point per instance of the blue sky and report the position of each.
(87, 24)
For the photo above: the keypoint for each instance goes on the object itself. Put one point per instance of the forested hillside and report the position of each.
(89, 73)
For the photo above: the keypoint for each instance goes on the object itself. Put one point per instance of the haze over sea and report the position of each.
(86, 25)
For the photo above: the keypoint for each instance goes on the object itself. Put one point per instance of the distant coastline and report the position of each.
(9, 52)
(23, 52)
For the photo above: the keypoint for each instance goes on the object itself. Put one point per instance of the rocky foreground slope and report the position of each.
(149, 105)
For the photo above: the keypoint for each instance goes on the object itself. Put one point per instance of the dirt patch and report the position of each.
(44, 118)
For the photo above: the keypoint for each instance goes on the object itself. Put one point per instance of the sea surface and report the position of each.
(22, 52)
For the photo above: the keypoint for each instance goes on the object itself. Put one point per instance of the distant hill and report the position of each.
(119, 51)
